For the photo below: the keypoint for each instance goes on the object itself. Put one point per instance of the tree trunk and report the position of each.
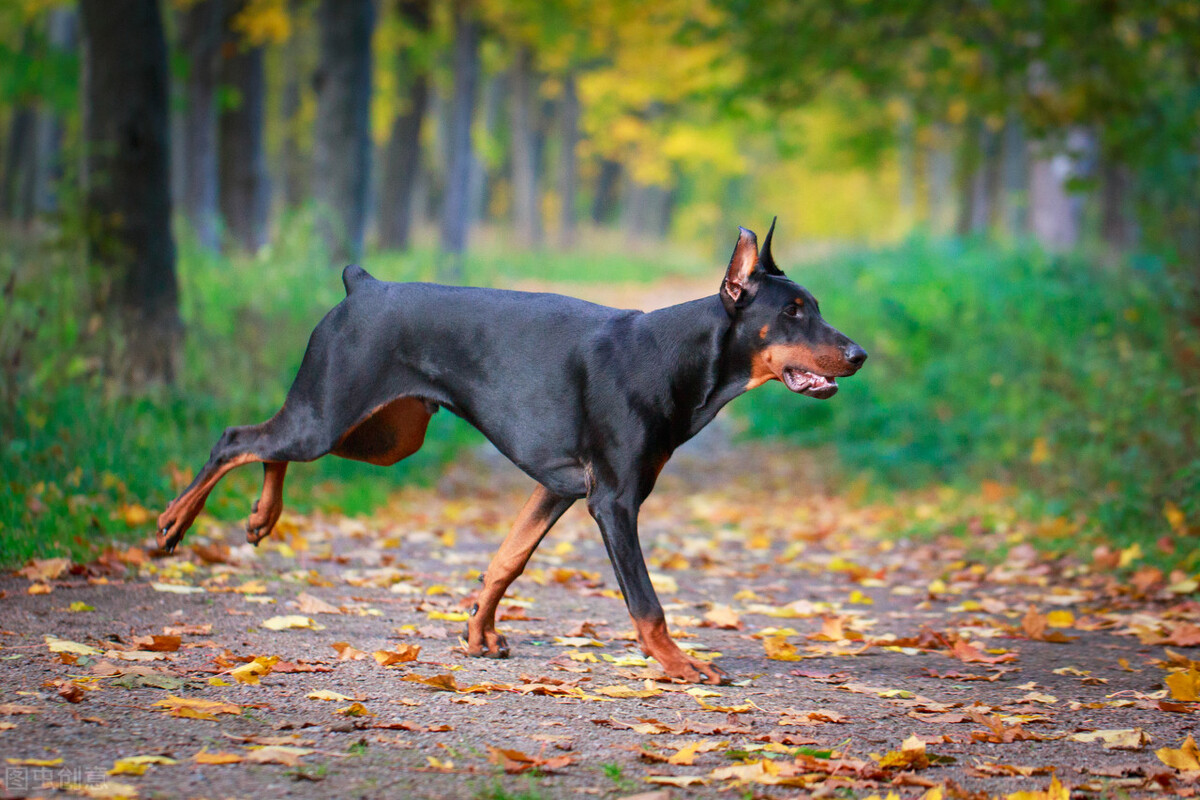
(985, 186)
(200, 28)
(14, 192)
(966, 172)
(1118, 228)
(1014, 201)
(568, 170)
(523, 110)
(63, 38)
(127, 195)
(403, 153)
(245, 195)
(1056, 212)
(939, 164)
(455, 208)
(343, 131)
(604, 200)
(493, 96)
(295, 167)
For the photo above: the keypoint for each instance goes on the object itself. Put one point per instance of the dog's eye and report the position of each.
(792, 310)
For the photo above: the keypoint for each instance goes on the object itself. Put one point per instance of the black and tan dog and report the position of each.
(590, 401)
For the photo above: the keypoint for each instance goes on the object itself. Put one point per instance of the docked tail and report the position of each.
(353, 277)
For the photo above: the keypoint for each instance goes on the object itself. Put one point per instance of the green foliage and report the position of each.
(1009, 365)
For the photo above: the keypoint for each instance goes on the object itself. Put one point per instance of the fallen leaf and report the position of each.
(252, 671)
(137, 765)
(1119, 739)
(290, 621)
(1186, 758)
(514, 761)
(310, 604)
(403, 653)
(63, 646)
(1184, 685)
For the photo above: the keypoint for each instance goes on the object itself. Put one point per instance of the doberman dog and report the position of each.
(589, 401)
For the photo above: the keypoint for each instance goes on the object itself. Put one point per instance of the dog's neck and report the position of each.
(703, 359)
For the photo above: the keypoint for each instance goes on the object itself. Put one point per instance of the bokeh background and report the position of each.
(998, 199)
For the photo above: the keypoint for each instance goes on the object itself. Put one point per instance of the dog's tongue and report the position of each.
(809, 383)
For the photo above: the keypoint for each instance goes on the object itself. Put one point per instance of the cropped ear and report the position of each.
(768, 260)
(738, 288)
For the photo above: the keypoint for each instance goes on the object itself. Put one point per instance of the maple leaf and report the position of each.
(1186, 758)
(252, 671)
(402, 654)
(515, 762)
(1184, 685)
(969, 654)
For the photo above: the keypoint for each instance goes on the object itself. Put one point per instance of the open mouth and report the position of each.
(809, 383)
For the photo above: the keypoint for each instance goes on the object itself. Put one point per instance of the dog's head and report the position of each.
(781, 323)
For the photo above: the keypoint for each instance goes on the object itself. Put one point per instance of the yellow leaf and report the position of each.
(1186, 758)
(34, 762)
(450, 616)
(79, 606)
(326, 694)
(1175, 518)
(1041, 451)
(1184, 685)
(780, 649)
(1119, 739)
(196, 708)
(354, 710)
(136, 765)
(1060, 619)
(286, 622)
(1055, 791)
(205, 757)
(253, 670)
(64, 646)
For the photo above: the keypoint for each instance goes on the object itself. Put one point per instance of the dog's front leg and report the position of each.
(616, 514)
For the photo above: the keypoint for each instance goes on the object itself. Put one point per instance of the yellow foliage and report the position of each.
(263, 22)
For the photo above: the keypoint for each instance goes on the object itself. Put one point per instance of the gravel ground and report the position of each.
(880, 680)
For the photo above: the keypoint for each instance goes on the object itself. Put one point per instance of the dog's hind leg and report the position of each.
(537, 516)
(269, 505)
(275, 442)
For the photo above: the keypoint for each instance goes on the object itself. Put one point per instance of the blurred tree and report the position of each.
(295, 106)
(568, 171)
(127, 197)
(201, 27)
(456, 212)
(403, 152)
(41, 80)
(245, 188)
(524, 108)
(343, 131)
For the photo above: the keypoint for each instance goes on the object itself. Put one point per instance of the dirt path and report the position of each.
(875, 642)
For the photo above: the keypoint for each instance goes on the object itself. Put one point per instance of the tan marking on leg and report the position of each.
(387, 433)
(269, 505)
(183, 510)
(656, 642)
(538, 514)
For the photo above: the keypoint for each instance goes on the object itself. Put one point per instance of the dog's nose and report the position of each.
(856, 355)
